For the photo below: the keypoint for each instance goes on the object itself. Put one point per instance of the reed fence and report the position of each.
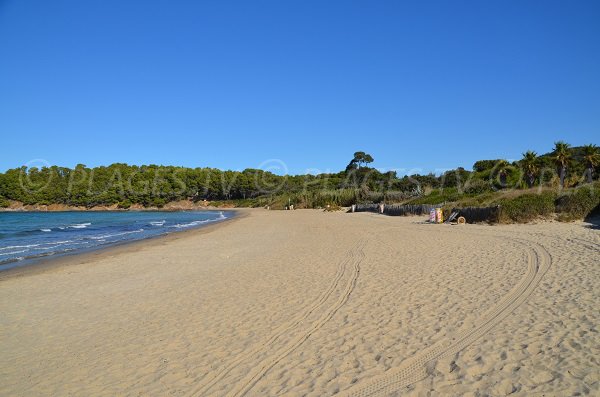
(397, 209)
(479, 214)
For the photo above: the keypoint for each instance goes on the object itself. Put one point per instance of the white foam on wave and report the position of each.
(115, 234)
(45, 230)
(196, 223)
(12, 253)
(158, 223)
(58, 244)
(79, 225)
(34, 245)
(18, 246)
(47, 248)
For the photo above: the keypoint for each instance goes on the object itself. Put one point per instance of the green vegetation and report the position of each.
(579, 203)
(563, 181)
(591, 159)
(526, 207)
(360, 158)
(561, 158)
(530, 167)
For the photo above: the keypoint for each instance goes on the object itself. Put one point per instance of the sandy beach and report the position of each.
(309, 303)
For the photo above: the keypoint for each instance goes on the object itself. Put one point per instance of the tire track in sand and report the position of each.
(415, 368)
(208, 382)
(269, 362)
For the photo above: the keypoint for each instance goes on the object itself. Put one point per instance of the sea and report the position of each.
(25, 237)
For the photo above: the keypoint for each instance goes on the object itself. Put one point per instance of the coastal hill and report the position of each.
(562, 182)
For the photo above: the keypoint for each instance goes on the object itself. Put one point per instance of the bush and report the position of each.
(401, 196)
(580, 203)
(4, 202)
(526, 207)
(371, 197)
(438, 196)
(478, 187)
(322, 198)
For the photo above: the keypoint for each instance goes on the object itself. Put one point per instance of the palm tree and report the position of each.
(502, 167)
(530, 166)
(591, 158)
(561, 159)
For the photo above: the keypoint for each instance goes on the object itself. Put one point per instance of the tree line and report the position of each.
(156, 185)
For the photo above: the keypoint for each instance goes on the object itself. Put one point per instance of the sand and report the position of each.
(311, 303)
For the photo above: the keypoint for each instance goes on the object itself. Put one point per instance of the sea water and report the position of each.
(25, 236)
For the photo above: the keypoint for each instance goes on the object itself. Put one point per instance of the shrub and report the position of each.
(322, 198)
(371, 197)
(401, 196)
(477, 187)
(580, 203)
(438, 196)
(526, 207)
(4, 202)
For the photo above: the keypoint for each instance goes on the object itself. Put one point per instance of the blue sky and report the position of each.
(420, 85)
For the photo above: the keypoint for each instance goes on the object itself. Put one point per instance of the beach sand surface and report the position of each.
(310, 303)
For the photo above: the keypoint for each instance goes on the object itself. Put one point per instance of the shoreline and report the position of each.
(45, 264)
(114, 209)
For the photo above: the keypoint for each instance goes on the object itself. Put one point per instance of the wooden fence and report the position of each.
(409, 209)
(366, 208)
(479, 214)
(396, 209)
(471, 214)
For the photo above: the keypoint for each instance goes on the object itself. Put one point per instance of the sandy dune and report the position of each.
(310, 303)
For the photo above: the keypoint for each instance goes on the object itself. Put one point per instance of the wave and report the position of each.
(58, 244)
(47, 229)
(75, 226)
(158, 223)
(11, 260)
(22, 233)
(79, 225)
(35, 245)
(196, 223)
(42, 255)
(18, 246)
(115, 234)
(11, 253)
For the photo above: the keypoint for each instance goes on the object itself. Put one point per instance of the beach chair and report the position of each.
(452, 217)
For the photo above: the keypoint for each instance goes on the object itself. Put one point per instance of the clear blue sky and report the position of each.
(228, 84)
